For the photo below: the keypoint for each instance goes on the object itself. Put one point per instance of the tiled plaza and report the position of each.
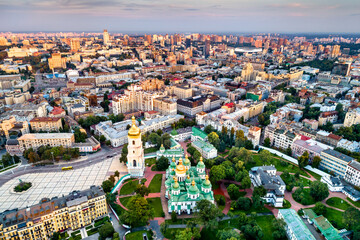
(52, 184)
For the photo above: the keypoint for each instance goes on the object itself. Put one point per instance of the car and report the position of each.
(145, 236)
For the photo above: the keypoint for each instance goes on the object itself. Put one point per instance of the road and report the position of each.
(27, 168)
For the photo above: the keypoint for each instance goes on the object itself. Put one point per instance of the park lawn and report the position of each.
(150, 161)
(155, 184)
(357, 203)
(280, 164)
(265, 223)
(335, 217)
(251, 210)
(137, 235)
(156, 204)
(150, 150)
(129, 187)
(305, 182)
(315, 175)
(124, 201)
(207, 234)
(309, 200)
(338, 203)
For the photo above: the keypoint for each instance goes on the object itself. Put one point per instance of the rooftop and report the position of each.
(295, 223)
(338, 155)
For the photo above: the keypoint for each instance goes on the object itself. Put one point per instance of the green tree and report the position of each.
(209, 129)
(173, 216)
(246, 182)
(303, 159)
(279, 232)
(319, 190)
(214, 139)
(316, 162)
(351, 218)
(227, 235)
(267, 142)
(142, 190)
(252, 231)
(265, 156)
(207, 213)
(107, 185)
(106, 230)
(217, 173)
(162, 163)
(139, 212)
(320, 209)
(245, 156)
(233, 191)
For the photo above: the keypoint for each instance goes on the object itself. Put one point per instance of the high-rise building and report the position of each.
(341, 68)
(56, 61)
(135, 158)
(3, 41)
(335, 51)
(188, 42)
(75, 44)
(207, 48)
(106, 37)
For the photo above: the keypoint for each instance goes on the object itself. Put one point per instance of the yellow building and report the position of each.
(40, 221)
(36, 140)
(46, 124)
(12, 127)
(56, 61)
(75, 44)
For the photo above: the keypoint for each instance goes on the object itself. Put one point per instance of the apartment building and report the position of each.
(311, 146)
(56, 61)
(36, 140)
(46, 124)
(352, 117)
(325, 117)
(334, 161)
(134, 99)
(328, 138)
(165, 105)
(192, 106)
(40, 221)
(13, 127)
(352, 174)
(183, 91)
(280, 138)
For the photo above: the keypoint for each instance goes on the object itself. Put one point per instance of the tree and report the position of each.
(243, 203)
(328, 127)
(209, 129)
(107, 185)
(106, 230)
(139, 212)
(142, 190)
(259, 191)
(214, 139)
(162, 163)
(351, 218)
(279, 232)
(257, 201)
(117, 174)
(320, 209)
(303, 159)
(207, 213)
(265, 156)
(112, 178)
(227, 235)
(249, 145)
(102, 138)
(188, 234)
(124, 152)
(319, 190)
(191, 150)
(288, 151)
(173, 216)
(154, 138)
(245, 156)
(246, 182)
(233, 191)
(252, 231)
(196, 156)
(316, 162)
(267, 142)
(217, 173)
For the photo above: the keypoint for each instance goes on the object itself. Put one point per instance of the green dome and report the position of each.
(187, 161)
(172, 173)
(176, 185)
(201, 163)
(187, 180)
(173, 163)
(206, 182)
(193, 189)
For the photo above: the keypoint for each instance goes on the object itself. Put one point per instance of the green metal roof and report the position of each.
(174, 132)
(294, 222)
(197, 132)
(310, 213)
(326, 228)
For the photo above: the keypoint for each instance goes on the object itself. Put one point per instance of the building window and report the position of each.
(134, 142)
(134, 163)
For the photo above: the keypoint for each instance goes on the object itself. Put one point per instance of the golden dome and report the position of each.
(180, 168)
(134, 131)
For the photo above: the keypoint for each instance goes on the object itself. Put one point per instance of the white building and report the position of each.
(334, 183)
(352, 117)
(135, 158)
(351, 146)
(352, 174)
(274, 185)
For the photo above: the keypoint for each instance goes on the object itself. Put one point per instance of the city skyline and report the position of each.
(182, 16)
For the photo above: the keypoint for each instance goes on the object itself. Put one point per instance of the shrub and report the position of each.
(22, 186)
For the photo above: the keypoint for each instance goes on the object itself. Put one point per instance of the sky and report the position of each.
(265, 16)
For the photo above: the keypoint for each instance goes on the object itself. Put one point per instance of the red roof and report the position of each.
(230, 105)
(57, 110)
(305, 138)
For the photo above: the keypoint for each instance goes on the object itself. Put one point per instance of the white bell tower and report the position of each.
(135, 158)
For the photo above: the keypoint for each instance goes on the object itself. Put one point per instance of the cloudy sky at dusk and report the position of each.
(181, 15)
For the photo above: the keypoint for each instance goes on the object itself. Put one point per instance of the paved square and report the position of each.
(52, 184)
